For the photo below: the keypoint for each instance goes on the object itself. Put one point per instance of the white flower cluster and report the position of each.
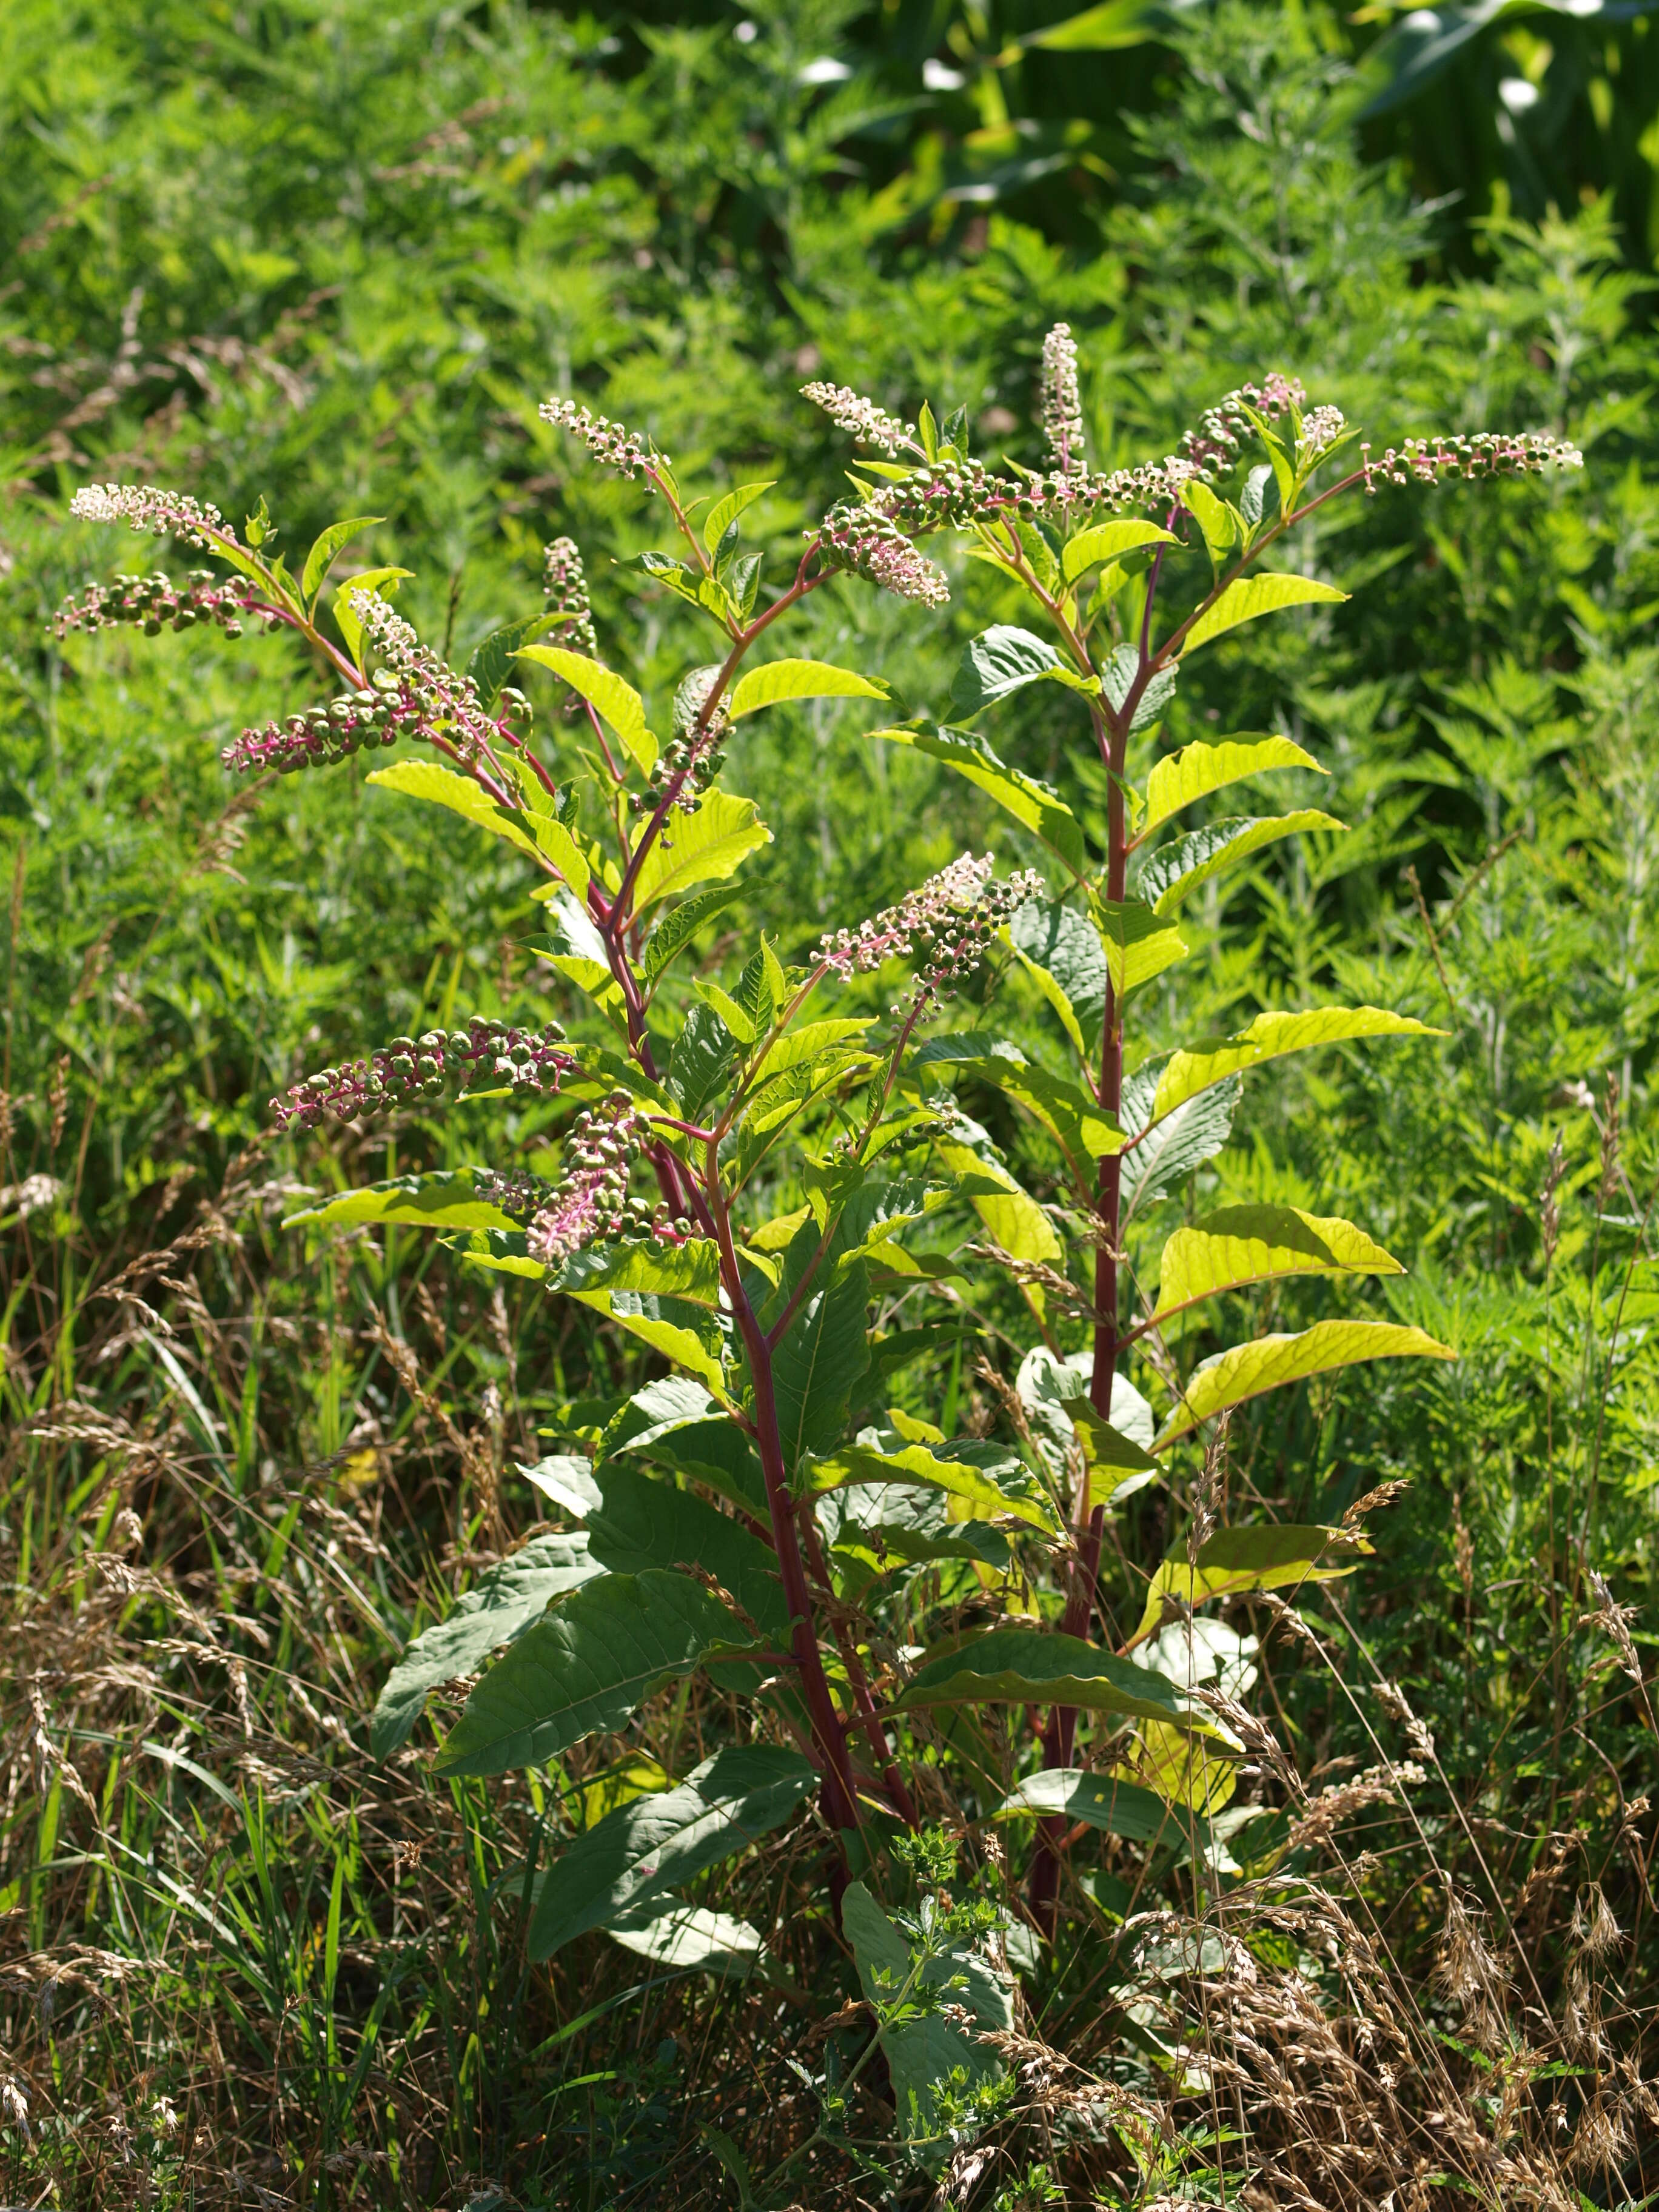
(147, 506)
(859, 418)
(1062, 402)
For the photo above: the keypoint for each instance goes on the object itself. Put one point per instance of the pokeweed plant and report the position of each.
(748, 1166)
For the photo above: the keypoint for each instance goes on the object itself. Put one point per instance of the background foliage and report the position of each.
(336, 255)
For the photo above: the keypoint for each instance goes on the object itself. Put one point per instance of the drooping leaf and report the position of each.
(1032, 805)
(1002, 660)
(422, 779)
(706, 845)
(1084, 1131)
(690, 1270)
(1247, 597)
(881, 1526)
(505, 1602)
(1264, 1557)
(1118, 1466)
(585, 1668)
(1248, 1370)
(568, 1480)
(775, 681)
(693, 1939)
(320, 558)
(1187, 1136)
(926, 2049)
(1271, 1037)
(1105, 1801)
(1240, 1244)
(1041, 1667)
(642, 1522)
(610, 696)
(725, 512)
(994, 1483)
(1214, 517)
(1137, 942)
(681, 1331)
(1179, 778)
(1176, 870)
(823, 1353)
(658, 1842)
(1104, 541)
(444, 1199)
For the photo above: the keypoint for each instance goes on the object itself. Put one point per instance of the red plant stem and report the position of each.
(839, 1791)
(867, 1718)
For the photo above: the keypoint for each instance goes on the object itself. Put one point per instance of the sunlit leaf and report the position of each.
(1247, 597)
(1196, 770)
(1240, 1245)
(775, 681)
(1232, 1378)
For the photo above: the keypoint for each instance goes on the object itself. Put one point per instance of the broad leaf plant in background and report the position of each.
(769, 1175)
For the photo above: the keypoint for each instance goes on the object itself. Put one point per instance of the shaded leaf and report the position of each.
(1265, 1557)
(823, 1355)
(1177, 869)
(1104, 1801)
(1042, 1667)
(643, 1523)
(491, 661)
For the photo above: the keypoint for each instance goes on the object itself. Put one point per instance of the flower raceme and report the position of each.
(592, 1204)
(949, 920)
(495, 1053)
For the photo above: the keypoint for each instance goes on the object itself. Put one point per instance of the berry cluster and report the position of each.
(593, 1205)
(691, 753)
(949, 922)
(147, 506)
(564, 581)
(618, 446)
(1062, 402)
(531, 1061)
(862, 541)
(449, 701)
(156, 602)
(378, 715)
(520, 1194)
(1488, 454)
(861, 418)
(1222, 429)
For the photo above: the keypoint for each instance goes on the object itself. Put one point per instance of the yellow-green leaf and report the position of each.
(725, 512)
(1137, 942)
(607, 693)
(670, 1326)
(976, 1486)
(1031, 804)
(1192, 774)
(1247, 597)
(1240, 1245)
(1179, 868)
(1084, 1131)
(1117, 1465)
(1271, 1037)
(1105, 540)
(1014, 1218)
(1217, 521)
(1249, 1370)
(421, 779)
(778, 680)
(703, 847)
(1266, 1556)
(442, 1201)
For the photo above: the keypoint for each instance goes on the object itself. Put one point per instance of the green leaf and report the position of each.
(491, 661)
(690, 1270)
(881, 1526)
(606, 692)
(1240, 1245)
(775, 681)
(725, 512)
(578, 951)
(1058, 940)
(702, 1057)
(1247, 597)
(1015, 1219)
(643, 1523)
(691, 1939)
(1099, 1801)
(1032, 804)
(662, 1841)
(926, 2048)
(1176, 870)
(1192, 774)
(505, 1603)
(1265, 1557)
(677, 929)
(1004, 660)
(812, 1043)
(738, 1023)
(585, 1667)
(320, 558)
(1214, 517)
(1103, 28)
(1139, 944)
(1155, 1161)
(1043, 1666)
(1271, 1037)
(823, 1355)
(708, 845)
(371, 580)
(420, 778)
(1118, 677)
(1117, 1465)
(1248, 1370)
(1084, 1131)
(1105, 540)
(996, 1483)
(441, 1200)
(681, 1331)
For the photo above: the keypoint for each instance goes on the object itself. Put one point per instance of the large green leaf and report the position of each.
(1014, 1218)
(993, 1483)
(1032, 805)
(823, 1353)
(926, 2047)
(422, 779)
(1263, 1556)
(642, 1522)
(1176, 870)
(881, 1526)
(1084, 1131)
(585, 1667)
(1179, 778)
(1104, 541)
(506, 1602)
(1042, 1667)
(609, 694)
(1271, 1037)
(706, 845)
(1059, 943)
(725, 512)
(441, 1200)
(1156, 1161)
(1233, 1378)
(1117, 1465)
(1004, 660)
(1099, 1801)
(676, 928)
(679, 1329)
(320, 559)
(656, 1842)
(1138, 944)
(1240, 1245)
(691, 1270)
(701, 1060)
(775, 681)
(1247, 597)
(692, 1939)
